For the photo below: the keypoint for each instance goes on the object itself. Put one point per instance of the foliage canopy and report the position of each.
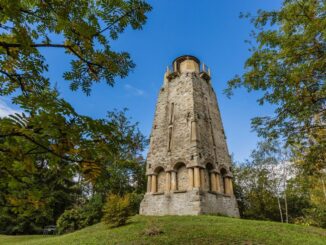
(43, 149)
(78, 27)
(288, 64)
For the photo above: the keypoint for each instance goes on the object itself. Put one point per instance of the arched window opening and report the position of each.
(182, 176)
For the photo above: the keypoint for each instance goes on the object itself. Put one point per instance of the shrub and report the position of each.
(117, 210)
(135, 199)
(316, 216)
(153, 228)
(77, 218)
(91, 212)
(69, 221)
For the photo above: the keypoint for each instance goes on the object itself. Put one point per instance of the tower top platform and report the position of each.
(186, 57)
(186, 64)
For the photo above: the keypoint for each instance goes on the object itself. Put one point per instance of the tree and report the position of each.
(50, 134)
(37, 185)
(255, 193)
(79, 28)
(288, 64)
(124, 172)
(262, 182)
(271, 185)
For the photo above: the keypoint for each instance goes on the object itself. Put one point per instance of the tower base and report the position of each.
(194, 202)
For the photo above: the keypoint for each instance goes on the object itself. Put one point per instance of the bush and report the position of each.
(135, 199)
(78, 218)
(117, 210)
(69, 221)
(91, 212)
(153, 228)
(316, 216)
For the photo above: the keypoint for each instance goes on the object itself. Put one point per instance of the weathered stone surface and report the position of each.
(182, 178)
(188, 154)
(161, 181)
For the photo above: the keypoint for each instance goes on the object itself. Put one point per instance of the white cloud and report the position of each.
(6, 110)
(134, 91)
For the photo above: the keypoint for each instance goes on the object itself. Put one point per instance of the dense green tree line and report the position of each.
(270, 185)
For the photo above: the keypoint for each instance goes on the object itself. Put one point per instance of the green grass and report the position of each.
(183, 230)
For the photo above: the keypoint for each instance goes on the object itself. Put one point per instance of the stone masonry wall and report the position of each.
(182, 178)
(193, 99)
(187, 136)
(189, 203)
(161, 181)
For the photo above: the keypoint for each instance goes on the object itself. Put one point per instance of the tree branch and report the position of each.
(18, 45)
(16, 77)
(49, 150)
(114, 22)
(51, 45)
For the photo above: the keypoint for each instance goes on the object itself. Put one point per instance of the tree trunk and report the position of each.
(286, 208)
(324, 188)
(280, 208)
(284, 191)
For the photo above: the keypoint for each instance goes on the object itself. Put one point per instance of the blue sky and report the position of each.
(208, 29)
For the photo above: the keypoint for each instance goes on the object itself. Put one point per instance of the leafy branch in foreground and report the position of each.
(78, 27)
(83, 29)
(45, 149)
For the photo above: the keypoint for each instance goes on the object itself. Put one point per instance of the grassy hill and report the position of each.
(183, 230)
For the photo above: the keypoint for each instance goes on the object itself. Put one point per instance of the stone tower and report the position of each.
(188, 164)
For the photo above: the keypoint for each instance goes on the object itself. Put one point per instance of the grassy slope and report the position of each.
(184, 230)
